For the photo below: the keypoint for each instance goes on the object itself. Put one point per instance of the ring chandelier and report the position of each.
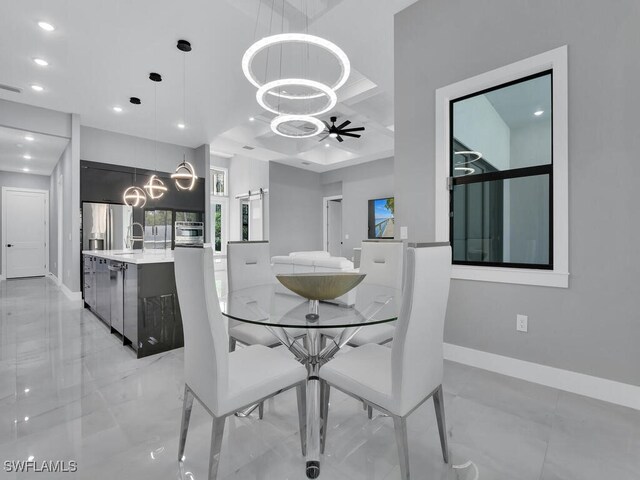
(274, 88)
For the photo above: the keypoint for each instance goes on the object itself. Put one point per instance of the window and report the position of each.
(245, 221)
(218, 181)
(502, 172)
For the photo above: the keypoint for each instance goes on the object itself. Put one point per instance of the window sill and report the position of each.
(519, 276)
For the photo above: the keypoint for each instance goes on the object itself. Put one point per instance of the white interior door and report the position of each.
(25, 232)
(334, 228)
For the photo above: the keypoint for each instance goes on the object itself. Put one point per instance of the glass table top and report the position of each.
(274, 305)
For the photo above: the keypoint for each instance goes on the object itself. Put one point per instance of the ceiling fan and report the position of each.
(339, 131)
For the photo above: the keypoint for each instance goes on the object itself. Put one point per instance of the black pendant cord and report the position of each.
(155, 121)
(184, 89)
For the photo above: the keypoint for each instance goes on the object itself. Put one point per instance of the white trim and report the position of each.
(3, 273)
(57, 281)
(554, 59)
(73, 296)
(60, 220)
(325, 231)
(595, 387)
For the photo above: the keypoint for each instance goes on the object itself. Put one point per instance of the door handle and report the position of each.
(9, 245)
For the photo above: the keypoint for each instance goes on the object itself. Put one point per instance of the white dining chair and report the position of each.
(249, 265)
(383, 263)
(399, 379)
(224, 382)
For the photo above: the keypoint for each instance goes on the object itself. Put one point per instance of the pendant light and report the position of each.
(270, 94)
(134, 196)
(155, 187)
(185, 175)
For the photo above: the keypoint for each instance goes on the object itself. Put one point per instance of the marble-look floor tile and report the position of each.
(88, 399)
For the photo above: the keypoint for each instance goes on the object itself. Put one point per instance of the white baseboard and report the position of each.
(595, 387)
(75, 296)
(57, 281)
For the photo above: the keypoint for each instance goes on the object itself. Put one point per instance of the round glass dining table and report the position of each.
(286, 315)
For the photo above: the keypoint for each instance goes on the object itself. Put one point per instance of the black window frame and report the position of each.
(500, 175)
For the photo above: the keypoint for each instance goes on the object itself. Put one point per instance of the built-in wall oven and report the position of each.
(189, 233)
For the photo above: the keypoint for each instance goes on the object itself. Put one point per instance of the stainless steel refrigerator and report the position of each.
(105, 226)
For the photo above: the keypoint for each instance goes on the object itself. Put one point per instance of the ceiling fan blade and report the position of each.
(323, 137)
(340, 138)
(356, 129)
(344, 124)
(354, 135)
(326, 124)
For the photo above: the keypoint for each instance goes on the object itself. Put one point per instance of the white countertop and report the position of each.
(133, 256)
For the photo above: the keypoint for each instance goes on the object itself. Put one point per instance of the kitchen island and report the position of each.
(134, 294)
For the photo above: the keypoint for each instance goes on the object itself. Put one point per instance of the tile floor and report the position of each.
(70, 391)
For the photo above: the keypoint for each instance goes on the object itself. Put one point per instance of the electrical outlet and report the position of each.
(522, 323)
(404, 233)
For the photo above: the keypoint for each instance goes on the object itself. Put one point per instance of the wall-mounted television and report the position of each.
(382, 218)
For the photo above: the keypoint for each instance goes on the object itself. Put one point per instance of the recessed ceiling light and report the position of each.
(181, 126)
(29, 138)
(27, 157)
(251, 119)
(30, 459)
(327, 144)
(537, 113)
(37, 88)
(117, 109)
(46, 26)
(27, 390)
(25, 169)
(41, 61)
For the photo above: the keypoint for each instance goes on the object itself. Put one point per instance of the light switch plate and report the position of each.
(404, 233)
(522, 323)
(346, 236)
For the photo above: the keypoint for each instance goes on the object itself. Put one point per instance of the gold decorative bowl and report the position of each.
(320, 286)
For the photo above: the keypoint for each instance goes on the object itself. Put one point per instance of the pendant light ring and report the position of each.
(134, 197)
(155, 188)
(266, 42)
(276, 122)
(274, 86)
(185, 176)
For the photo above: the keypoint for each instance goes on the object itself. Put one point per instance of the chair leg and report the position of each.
(400, 425)
(438, 403)
(325, 392)
(261, 410)
(301, 392)
(232, 344)
(370, 412)
(187, 405)
(217, 432)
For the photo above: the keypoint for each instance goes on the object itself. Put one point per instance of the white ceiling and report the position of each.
(44, 150)
(102, 52)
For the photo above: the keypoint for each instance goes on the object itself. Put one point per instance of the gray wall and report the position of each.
(593, 326)
(34, 119)
(360, 183)
(296, 209)
(22, 180)
(63, 167)
(118, 149)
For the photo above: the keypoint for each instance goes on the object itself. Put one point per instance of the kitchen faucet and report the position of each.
(132, 239)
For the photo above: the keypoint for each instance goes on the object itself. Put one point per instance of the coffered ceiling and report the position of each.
(101, 53)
